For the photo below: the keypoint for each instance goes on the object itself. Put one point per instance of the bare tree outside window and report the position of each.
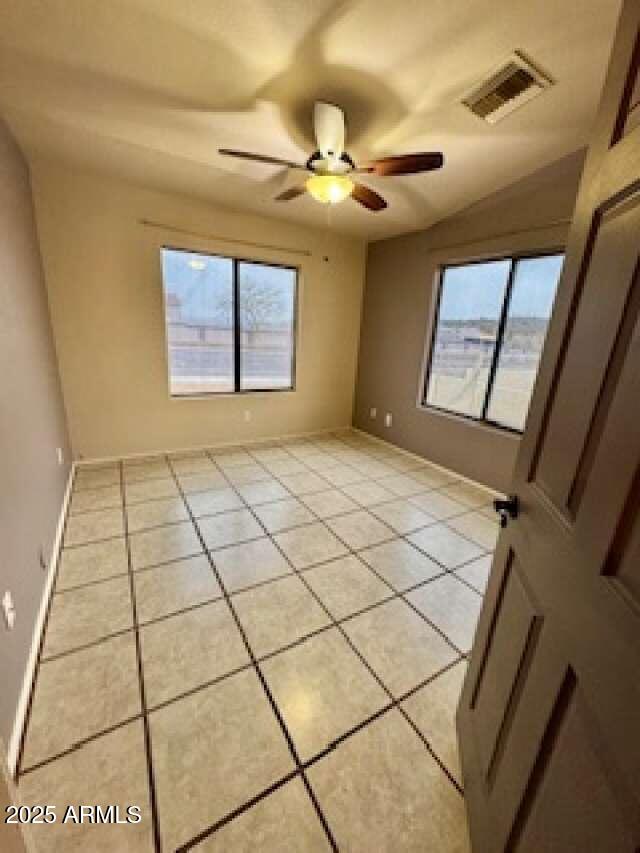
(267, 303)
(202, 329)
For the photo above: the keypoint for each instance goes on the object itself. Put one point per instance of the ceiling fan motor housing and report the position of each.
(330, 165)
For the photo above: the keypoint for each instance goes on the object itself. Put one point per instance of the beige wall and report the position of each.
(32, 424)
(398, 313)
(103, 275)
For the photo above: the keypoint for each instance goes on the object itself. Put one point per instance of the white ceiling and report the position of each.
(149, 89)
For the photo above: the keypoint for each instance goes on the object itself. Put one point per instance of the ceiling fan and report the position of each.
(332, 168)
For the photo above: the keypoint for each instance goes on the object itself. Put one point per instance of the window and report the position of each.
(230, 324)
(491, 322)
(267, 307)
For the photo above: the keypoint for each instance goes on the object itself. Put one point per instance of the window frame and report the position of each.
(236, 330)
(514, 258)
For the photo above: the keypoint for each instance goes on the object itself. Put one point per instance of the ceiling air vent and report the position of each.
(513, 85)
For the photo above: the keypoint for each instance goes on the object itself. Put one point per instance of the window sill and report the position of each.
(230, 395)
(491, 426)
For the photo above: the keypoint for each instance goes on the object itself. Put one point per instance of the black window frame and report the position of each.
(514, 258)
(237, 348)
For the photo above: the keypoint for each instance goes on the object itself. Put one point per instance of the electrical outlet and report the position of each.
(373, 413)
(247, 415)
(8, 610)
(60, 456)
(388, 419)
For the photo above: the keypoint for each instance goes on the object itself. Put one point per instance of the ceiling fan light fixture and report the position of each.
(329, 189)
(331, 167)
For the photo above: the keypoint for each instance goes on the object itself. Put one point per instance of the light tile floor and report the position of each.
(262, 647)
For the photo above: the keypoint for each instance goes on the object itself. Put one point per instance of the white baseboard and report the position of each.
(25, 693)
(417, 456)
(13, 750)
(104, 460)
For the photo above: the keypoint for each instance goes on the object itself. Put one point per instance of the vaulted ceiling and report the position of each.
(149, 89)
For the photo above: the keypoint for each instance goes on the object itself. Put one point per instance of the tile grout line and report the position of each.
(370, 508)
(466, 582)
(466, 509)
(247, 507)
(395, 535)
(184, 498)
(122, 723)
(228, 818)
(153, 801)
(75, 747)
(354, 553)
(462, 655)
(90, 645)
(258, 670)
(393, 702)
(299, 572)
(262, 679)
(96, 582)
(333, 622)
(240, 810)
(218, 679)
(317, 519)
(260, 584)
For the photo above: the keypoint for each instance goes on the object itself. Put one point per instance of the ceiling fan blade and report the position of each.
(259, 158)
(291, 193)
(404, 164)
(368, 198)
(329, 127)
